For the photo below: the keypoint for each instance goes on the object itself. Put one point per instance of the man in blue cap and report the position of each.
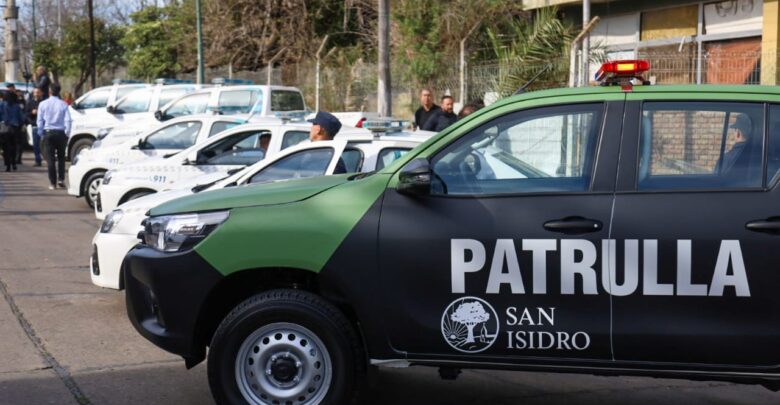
(324, 127)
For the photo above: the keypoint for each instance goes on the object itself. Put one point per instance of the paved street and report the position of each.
(65, 341)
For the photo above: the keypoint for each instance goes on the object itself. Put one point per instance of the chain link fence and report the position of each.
(353, 87)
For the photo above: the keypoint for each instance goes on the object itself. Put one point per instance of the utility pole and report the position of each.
(199, 23)
(92, 69)
(34, 23)
(384, 97)
(317, 78)
(59, 22)
(11, 40)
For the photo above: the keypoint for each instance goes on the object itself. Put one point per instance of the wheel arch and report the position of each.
(127, 195)
(86, 176)
(75, 138)
(239, 286)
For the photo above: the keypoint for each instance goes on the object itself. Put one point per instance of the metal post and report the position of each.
(199, 24)
(585, 70)
(92, 68)
(11, 40)
(384, 96)
(464, 85)
(317, 73)
(271, 62)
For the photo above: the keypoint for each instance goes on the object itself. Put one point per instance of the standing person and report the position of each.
(54, 125)
(10, 122)
(31, 112)
(324, 127)
(21, 138)
(442, 118)
(42, 81)
(67, 98)
(426, 110)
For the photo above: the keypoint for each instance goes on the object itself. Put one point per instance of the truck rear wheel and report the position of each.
(284, 347)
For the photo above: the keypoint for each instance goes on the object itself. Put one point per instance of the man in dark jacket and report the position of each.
(42, 81)
(442, 118)
(426, 110)
(31, 113)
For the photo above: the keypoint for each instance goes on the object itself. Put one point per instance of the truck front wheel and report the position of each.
(284, 347)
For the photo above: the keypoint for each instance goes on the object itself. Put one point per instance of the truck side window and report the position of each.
(700, 145)
(189, 105)
(243, 148)
(181, 135)
(773, 155)
(292, 138)
(95, 99)
(307, 163)
(543, 150)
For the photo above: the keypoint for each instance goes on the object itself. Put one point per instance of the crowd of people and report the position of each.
(432, 117)
(48, 119)
(16, 113)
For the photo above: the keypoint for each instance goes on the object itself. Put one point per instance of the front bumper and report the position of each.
(109, 197)
(108, 252)
(165, 293)
(75, 176)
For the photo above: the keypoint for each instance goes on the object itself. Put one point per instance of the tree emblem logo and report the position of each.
(469, 325)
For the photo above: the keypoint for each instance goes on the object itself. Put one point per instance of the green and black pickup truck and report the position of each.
(608, 230)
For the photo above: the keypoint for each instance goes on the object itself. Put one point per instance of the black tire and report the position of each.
(290, 308)
(135, 195)
(89, 192)
(78, 146)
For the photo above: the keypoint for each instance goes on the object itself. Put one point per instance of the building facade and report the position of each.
(716, 42)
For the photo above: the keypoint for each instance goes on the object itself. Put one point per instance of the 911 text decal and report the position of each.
(577, 267)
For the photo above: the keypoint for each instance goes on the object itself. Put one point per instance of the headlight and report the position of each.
(75, 160)
(107, 177)
(96, 144)
(174, 233)
(112, 219)
(103, 133)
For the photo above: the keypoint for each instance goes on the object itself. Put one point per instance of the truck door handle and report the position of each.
(771, 225)
(573, 225)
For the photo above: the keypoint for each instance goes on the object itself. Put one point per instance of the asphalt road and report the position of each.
(65, 341)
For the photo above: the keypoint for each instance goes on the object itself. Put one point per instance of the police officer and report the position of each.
(324, 127)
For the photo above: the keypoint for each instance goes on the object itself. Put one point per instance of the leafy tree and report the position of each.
(160, 41)
(72, 56)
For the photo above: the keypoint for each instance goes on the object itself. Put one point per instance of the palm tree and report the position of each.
(542, 44)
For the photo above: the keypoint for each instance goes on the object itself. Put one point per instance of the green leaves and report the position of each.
(542, 43)
(159, 41)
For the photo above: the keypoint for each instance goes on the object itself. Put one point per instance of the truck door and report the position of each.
(695, 233)
(502, 259)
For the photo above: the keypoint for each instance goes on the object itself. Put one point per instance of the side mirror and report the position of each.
(415, 178)
(159, 115)
(140, 144)
(76, 106)
(111, 109)
(192, 158)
